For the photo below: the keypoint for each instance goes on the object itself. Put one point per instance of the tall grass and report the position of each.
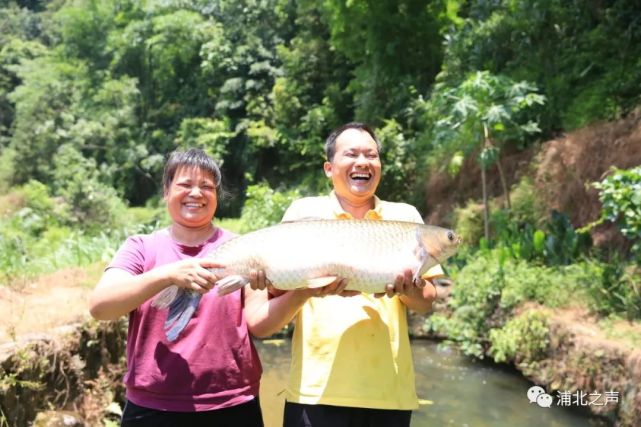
(23, 255)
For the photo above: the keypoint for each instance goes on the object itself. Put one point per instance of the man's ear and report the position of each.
(327, 167)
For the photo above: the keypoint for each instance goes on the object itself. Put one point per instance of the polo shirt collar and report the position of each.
(339, 212)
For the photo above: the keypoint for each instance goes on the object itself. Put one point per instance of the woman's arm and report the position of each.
(119, 292)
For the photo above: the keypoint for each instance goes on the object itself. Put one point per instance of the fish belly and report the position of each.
(370, 255)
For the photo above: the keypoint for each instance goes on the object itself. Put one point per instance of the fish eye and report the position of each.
(450, 235)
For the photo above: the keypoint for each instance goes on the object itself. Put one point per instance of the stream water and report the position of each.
(453, 391)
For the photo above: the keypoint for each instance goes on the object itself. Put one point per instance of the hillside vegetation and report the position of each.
(515, 121)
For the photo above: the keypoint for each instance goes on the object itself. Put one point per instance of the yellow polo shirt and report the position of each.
(353, 351)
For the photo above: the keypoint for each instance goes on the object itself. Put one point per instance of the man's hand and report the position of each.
(337, 287)
(404, 285)
(258, 281)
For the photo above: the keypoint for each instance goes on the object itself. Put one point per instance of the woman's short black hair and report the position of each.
(193, 157)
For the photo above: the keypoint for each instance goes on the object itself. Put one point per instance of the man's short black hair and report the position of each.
(330, 142)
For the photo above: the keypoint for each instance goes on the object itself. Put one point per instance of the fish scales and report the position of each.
(368, 253)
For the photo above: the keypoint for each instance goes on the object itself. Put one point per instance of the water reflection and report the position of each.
(453, 391)
(462, 392)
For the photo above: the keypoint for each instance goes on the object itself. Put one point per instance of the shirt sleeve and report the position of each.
(414, 216)
(130, 257)
(293, 212)
(434, 272)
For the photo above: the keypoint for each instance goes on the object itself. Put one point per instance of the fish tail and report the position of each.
(165, 297)
(229, 284)
(181, 309)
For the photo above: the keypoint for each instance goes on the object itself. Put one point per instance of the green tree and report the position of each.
(19, 29)
(593, 73)
(395, 45)
(310, 98)
(211, 135)
(93, 205)
(480, 115)
(43, 113)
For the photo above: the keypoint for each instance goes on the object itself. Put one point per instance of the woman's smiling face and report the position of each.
(191, 197)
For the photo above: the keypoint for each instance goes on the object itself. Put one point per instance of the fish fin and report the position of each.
(181, 309)
(229, 284)
(319, 282)
(165, 297)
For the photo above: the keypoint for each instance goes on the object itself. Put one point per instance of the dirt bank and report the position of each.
(562, 169)
(77, 368)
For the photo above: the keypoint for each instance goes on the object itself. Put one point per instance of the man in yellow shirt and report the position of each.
(351, 358)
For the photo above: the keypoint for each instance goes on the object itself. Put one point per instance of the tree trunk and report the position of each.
(486, 205)
(506, 190)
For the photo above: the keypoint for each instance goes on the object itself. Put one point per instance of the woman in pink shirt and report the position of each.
(210, 375)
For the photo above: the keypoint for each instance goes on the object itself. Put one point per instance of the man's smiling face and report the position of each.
(355, 169)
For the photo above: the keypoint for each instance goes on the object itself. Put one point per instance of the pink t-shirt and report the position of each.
(213, 364)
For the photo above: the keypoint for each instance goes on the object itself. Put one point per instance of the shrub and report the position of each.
(40, 207)
(524, 338)
(468, 222)
(620, 194)
(555, 243)
(526, 206)
(91, 204)
(492, 284)
(7, 157)
(617, 290)
(265, 206)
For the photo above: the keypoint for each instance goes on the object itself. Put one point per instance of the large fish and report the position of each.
(313, 253)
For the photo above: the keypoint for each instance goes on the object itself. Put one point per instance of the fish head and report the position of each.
(439, 243)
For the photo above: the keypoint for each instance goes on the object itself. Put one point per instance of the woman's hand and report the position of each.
(192, 274)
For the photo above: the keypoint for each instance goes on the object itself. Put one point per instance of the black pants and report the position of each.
(300, 415)
(244, 415)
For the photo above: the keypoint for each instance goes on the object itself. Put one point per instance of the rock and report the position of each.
(58, 419)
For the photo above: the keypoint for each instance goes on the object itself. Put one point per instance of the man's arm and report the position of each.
(268, 310)
(267, 314)
(417, 296)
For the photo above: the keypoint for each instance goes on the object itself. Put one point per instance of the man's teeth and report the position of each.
(360, 176)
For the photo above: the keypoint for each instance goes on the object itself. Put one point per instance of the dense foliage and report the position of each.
(583, 55)
(260, 83)
(620, 194)
(94, 95)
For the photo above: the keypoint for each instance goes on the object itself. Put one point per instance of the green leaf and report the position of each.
(538, 240)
